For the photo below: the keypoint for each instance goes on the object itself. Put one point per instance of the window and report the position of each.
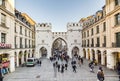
(3, 37)
(3, 19)
(29, 43)
(118, 39)
(117, 2)
(92, 31)
(21, 43)
(25, 43)
(92, 42)
(97, 29)
(2, 2)
(15, 39)
(20, 29)
(25, 32)
(104, 44)
(88, 33)
(104, 26)
(88, 43)
(15, 28)
(29, 33)
(84, 34)
(98, 42)
(117, 19)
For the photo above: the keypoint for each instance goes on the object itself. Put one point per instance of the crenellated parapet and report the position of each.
(44, 26)
(74, 26)
(59, 33)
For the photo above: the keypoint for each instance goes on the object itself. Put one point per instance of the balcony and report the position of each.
(104, 45)
(115, 44)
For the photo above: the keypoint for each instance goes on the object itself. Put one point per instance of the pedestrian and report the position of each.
(100, 75)
(40, 62)
(1, 75)
(58, 66)
(74, 68)
(54, 64)
(66, 65)
(81, 60)
(118, 70)
(62, 68)
(92, 67)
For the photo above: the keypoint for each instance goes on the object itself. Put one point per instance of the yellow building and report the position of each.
(101, 35)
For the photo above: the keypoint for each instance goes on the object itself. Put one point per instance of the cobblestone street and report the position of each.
(46, 73)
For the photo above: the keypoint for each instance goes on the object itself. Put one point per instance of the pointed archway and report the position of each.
(43, 52)
(59, 46)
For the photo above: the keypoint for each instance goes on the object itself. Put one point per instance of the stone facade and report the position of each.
(45, 38)
(101, 35)
(17, 36)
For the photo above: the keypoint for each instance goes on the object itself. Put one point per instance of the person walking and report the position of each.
(100, 74)
(58, 66)
(62, 68)
(91, 65)
(1, 75)
(118, 70)
(40, 62)
(74, 68)
(66, 65)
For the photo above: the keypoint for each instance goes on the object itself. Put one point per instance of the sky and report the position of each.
(59, 12)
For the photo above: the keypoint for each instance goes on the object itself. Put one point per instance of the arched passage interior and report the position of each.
(43, 52)
(59, 46)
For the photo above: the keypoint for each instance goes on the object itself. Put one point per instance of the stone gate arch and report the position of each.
(58, 46)
(43, 51)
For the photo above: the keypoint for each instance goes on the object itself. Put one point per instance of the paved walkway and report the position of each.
(46, 73)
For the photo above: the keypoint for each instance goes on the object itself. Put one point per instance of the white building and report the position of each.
(6, 35)
(45, 38)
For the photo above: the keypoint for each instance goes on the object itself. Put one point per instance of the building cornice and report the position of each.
(8, 12)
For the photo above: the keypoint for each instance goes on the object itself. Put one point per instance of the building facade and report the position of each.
(24, 38)
(6, 34)
(101, 35)
(46, 39)
(17, 36)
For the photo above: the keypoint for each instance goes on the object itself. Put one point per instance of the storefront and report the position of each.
(4, 60)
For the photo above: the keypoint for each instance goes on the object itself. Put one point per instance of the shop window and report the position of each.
(3, 37)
